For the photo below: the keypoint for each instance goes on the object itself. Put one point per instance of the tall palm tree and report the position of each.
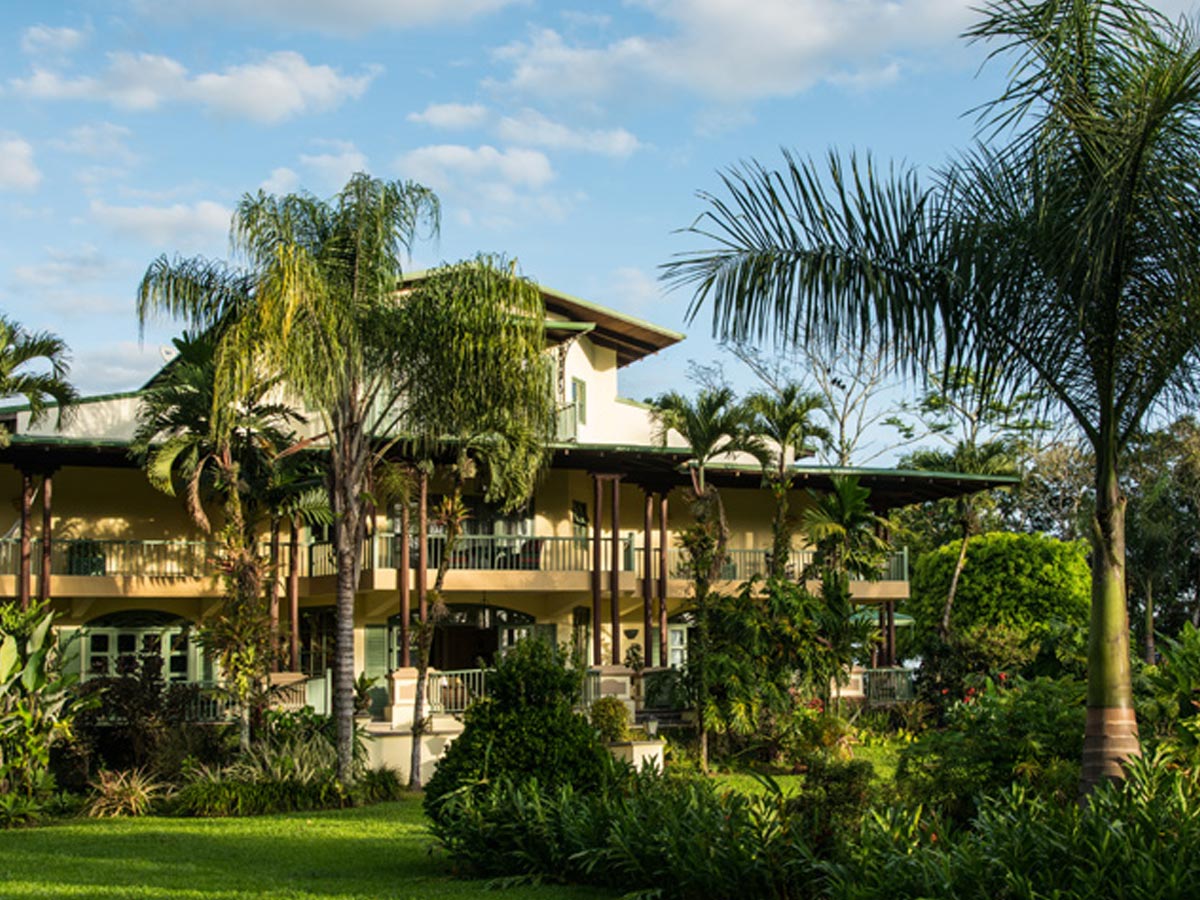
(1063, 254)
(785, 418)
(21, 351)
(713, 425)
(319, 311)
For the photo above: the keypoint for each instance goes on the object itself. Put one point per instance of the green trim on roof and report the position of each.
(97, 398)
(582, 327)
(571, 298)
(903, 473)
(58, 440)
(640, 404)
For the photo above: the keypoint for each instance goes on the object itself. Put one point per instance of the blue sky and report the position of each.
(572, 136)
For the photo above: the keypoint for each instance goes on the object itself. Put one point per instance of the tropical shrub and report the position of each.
(1023, 581)
(36, 711)
(1017, 595)
(679, 836)
(527, 727)
(129, 793)
(1137, 839)
(1005, 731)
(610, 718)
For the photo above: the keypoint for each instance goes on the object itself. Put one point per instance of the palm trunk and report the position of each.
(1111, 735)
(348, 459)
(781, 544)
(959, 565)
(437, 611)
(1150, 650)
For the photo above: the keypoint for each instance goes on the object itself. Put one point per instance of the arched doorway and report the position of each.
(475, 633)
(114, 644)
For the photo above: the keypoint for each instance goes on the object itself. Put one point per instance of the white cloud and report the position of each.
(180, 227)
(279, 87)
(732, 51)
(62, 268)
(103, 140)
(633, 290)
(451, 116)
(333, 169)
(443, 165)
(44, 40)
(18, 171)
(117, 366)
(281, 181)
(345, 17)
(531, 127)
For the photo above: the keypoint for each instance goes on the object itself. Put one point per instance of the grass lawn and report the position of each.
(884, 758)
(376, 852)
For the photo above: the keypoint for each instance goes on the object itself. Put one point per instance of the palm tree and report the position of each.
(847, 533)
(225, 443)
(319, 312)
(713, 425)
(1064, 259)
(19, 351)
(784, 418)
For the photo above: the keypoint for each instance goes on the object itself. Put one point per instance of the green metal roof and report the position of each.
(95, 398)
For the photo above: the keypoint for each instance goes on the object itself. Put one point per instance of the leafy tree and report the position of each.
(479, 390)
(1059, 255)
(784, 418)
(20, 350)
(316, 307)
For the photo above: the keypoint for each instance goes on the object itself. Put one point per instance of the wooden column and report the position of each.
(273, 595)
(891, 625)
(423, 548)
(880, 653)
(648, 578)
(23, 576)
(662, 579)
(597, 564)
(47, 491)
(403, 576)
(614, 576)
(293, 592)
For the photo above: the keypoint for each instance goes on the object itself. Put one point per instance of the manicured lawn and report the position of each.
(377, 852)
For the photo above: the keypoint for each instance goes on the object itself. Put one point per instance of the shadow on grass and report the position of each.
(377, 852)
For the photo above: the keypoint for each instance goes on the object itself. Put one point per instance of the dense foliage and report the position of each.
(35, 710)
(1019, 580)
(527, 727)
(1004, 732)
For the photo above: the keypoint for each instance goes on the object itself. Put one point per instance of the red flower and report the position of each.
(945, 691)
(1003, 676)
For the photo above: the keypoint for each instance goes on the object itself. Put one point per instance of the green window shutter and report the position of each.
(651, 650)
(376, 663)
(579, 398)
(547, 633)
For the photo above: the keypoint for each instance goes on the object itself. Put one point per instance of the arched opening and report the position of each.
(474, 633)
(116, 643)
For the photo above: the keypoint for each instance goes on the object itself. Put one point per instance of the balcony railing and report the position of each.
(452, 691)
(886, 686)
(195, 559)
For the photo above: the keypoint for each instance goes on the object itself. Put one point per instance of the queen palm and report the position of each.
(785, 418)
(320, 313)
(23, 354)
(1062, 255)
